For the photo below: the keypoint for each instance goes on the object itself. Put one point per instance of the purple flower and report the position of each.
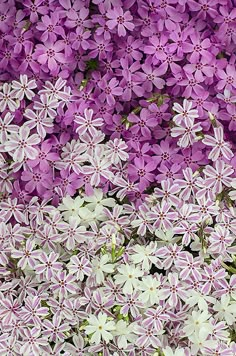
(121, 19)
(141, 171)
(227, 78)
(49, 27)
(110, 89)
(50, 55)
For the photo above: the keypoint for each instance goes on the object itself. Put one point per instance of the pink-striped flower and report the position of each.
(27, 256)
(32, 312)
(184, 113)
(162, 215)
(32, 342)
(48, 266)
(87, 123)
(24, 87)
(20, 145)
(173, 290)
(79, 267)
(186, 133)
(54, 330)
(218, 176)
(221, 148)
(63, 284)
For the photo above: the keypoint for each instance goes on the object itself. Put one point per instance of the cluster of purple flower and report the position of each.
(117, 177)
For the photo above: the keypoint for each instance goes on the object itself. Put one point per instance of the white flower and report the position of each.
(100, 328)
(128, 274)
(96, 203)
(150, 288)
(144, 255)
(24, 87)
(166, 237)
(99, 266)
(86, 216)
(169, 352)
(199, 299)
(232, 194)
(226, 309)
(199, 341)
(197, 321)
(124, 333)
(71, 207)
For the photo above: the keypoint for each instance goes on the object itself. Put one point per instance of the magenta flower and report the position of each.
(79, 38)
(110, 90)
(49, 27)
(199, 47)
(227, 78)
(45, 157)
(41, 181)
(157, 47)
(121, 19)
(77, 17)
(50, 55)
(141, 171)
(152, 76)
(34, 8)
(144, 122)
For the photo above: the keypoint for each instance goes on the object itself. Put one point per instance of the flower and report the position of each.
(24, 87)
(86, 123)
(120, 19)
(101, 266)
(221, 148)
(198, 321)
(188, 132)
(169, 352)
(19, 145)
(124, 332)
(184, 112)
(226, 309)
(50, 55)
(128, 276)
(100, 328)
(71, 207)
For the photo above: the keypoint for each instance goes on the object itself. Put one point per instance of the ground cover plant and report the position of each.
(117, 177)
